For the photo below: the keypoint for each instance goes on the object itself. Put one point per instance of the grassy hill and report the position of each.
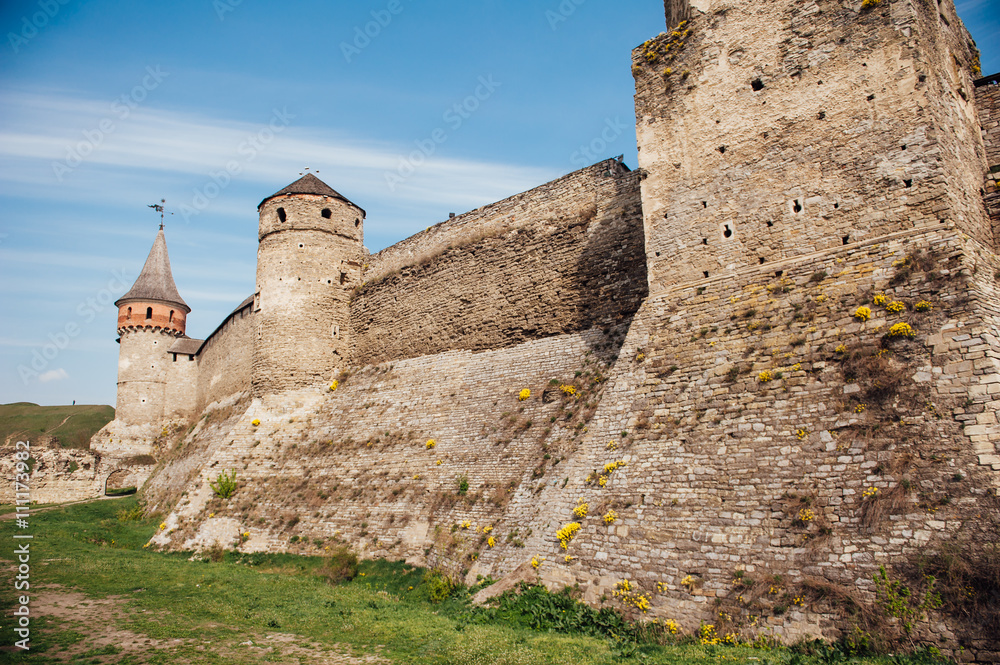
(71, 426)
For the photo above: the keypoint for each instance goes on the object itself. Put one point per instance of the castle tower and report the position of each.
(770, 130)
(308, 262)
(150, 318)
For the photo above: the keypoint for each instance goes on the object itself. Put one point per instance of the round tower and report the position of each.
(150, 318)
(308, 262)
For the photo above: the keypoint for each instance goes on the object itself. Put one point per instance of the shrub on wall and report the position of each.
(224, 485)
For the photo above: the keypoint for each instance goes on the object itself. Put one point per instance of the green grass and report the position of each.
(23, 421)
(211, 610)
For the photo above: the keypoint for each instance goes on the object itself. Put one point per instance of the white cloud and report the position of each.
(151, 145)
(53, 375)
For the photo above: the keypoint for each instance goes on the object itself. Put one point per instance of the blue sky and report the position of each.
(108, 106)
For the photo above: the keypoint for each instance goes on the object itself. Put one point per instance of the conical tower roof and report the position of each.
(155, 282)
(309, 184)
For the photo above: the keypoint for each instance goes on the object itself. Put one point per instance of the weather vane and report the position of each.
(307, 171)
(159, 207)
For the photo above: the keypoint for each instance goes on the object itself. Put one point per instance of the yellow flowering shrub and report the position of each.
(523, 395)
(491, 542)
(602, 481)
(610, 517)
(895, 307)
(334, 385)
(430, 444)
(488, 528)
(863, 313)
(536, 562)
(707, 634)
(869, 493)
(806, 515)
(567, 534)
(568, 389)
(611, 467)
(671, 626)
(841, 349)
(880, 299)
(902, 330)
(612, 445)
(581, 509)
(688, 582)
(860, 408)
(923, 306)
(466, 524)
(629, 595)
(765, 376)
(255, 422)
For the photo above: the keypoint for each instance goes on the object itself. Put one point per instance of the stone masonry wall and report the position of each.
(766, 429)
(58, 474)
(726, 468)
(225, 359)
(356, 462)
(550, 201)
(561, 258)
(988, 105)
(772, 129)
(181, 387)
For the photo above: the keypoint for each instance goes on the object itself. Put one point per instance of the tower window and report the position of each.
(343, 277)
(149, 313)
(281, 214)
(129, 314)
(326, 213)
(357, 222)
(171, 316)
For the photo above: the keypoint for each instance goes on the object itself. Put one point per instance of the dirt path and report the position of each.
(93, 627)
(52, 429)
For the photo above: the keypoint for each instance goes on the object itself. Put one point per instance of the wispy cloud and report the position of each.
(41, 128)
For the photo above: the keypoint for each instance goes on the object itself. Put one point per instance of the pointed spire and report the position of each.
(155, 282)
(309, 184)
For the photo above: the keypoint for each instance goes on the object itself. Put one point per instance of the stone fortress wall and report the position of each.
(724, 401)
(560, 258)
(224, 360)
(563, 257)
